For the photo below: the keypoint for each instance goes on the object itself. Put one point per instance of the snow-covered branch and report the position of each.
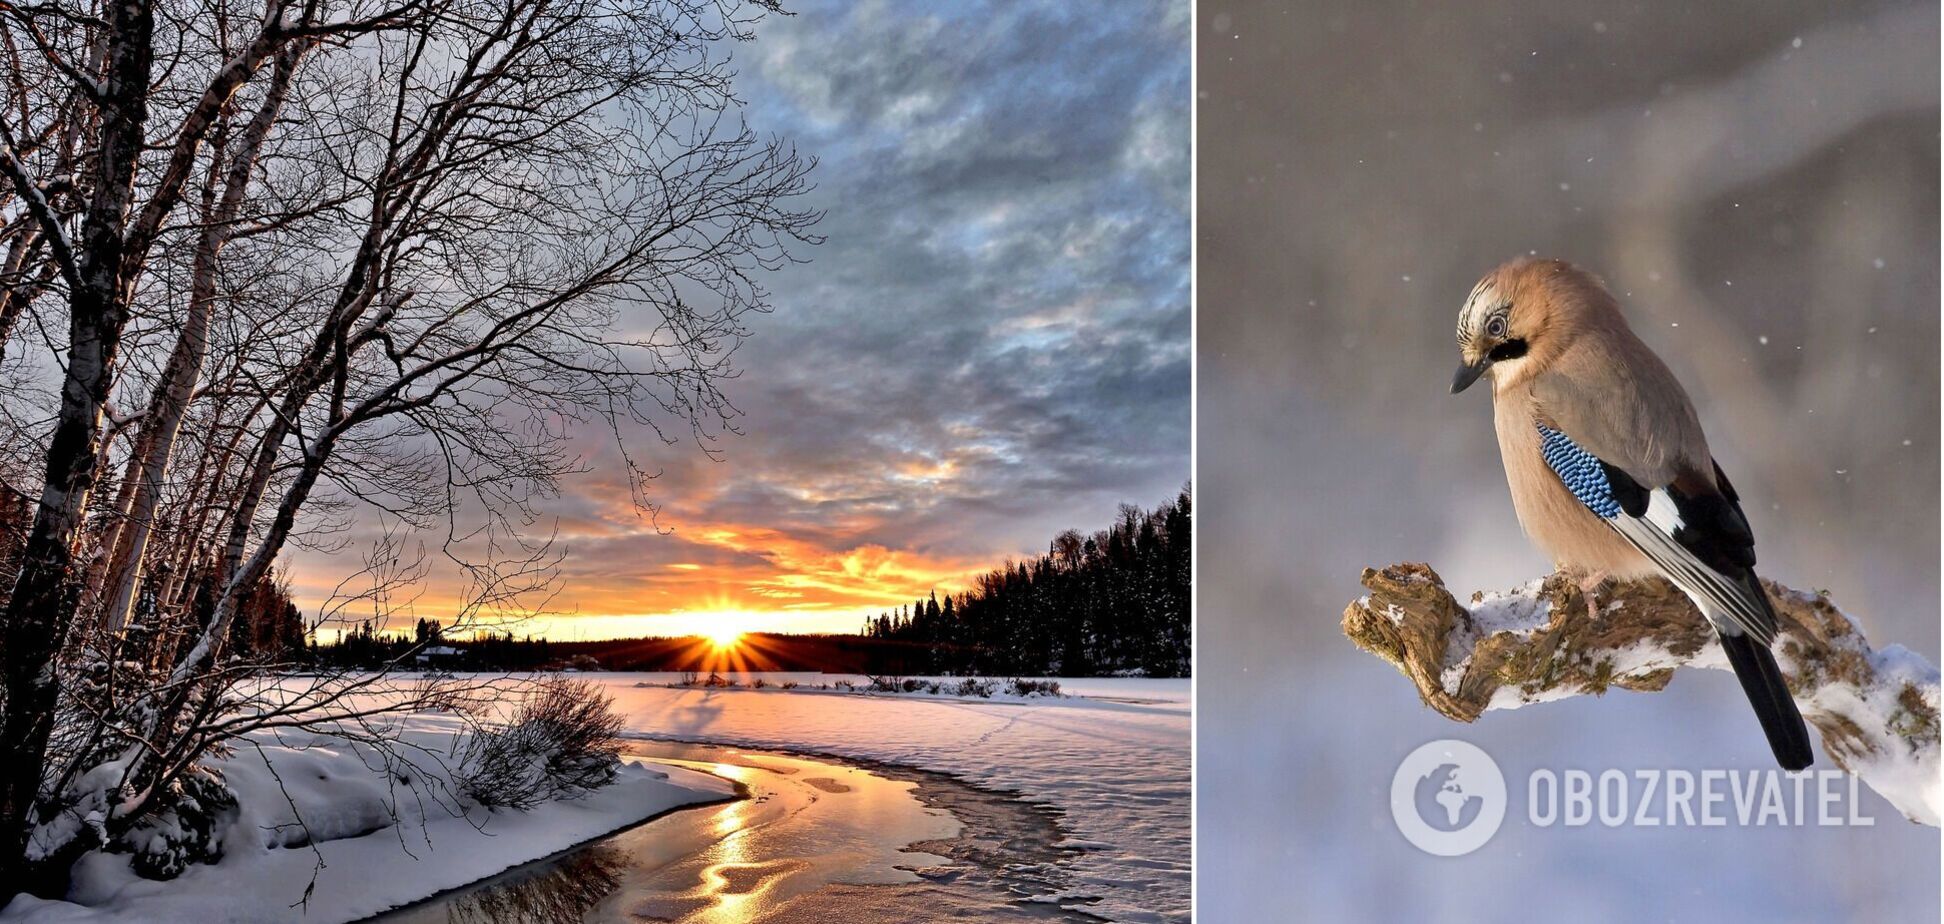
(1875, 709)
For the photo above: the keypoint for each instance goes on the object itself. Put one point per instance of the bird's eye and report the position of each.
(1495, 327)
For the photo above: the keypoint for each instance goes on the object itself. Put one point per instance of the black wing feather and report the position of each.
(1627, 492)
(1714, 529)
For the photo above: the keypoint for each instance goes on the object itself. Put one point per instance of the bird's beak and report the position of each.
(1469, 373)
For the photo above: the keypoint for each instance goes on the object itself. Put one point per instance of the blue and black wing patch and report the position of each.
(1605, 490)
(1692, 531)
(1584, 474)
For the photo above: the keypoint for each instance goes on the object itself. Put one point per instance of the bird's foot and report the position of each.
(1589, 587)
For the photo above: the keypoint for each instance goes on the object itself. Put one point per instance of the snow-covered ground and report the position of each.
(378, 843)
(1111, 754)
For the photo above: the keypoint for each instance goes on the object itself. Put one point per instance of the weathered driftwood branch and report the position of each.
(1876, 710)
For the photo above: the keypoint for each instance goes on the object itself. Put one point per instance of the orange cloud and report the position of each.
(752, 577)
(770, 542)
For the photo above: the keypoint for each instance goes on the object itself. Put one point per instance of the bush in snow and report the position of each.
(1023, 687)
(973, 686)
(188, 827)
(562, 741)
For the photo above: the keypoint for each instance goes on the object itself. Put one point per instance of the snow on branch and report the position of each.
(1876, 709)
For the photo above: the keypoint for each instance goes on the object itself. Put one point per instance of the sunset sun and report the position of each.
(724, 638)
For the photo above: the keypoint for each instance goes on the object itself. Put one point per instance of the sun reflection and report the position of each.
(734, 886)
(730, 819)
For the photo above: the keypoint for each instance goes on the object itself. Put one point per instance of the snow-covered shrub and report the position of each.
(562, 741)
(1020, 686)
(188, 827)
(973, 686)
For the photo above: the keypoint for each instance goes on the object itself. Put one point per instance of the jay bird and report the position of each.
(1609, 470)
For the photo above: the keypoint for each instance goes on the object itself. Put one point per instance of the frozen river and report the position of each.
(810, 840)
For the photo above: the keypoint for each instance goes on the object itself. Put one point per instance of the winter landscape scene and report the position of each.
(570, 460)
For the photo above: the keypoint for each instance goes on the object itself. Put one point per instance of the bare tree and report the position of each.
(382, 257)
(123, 209)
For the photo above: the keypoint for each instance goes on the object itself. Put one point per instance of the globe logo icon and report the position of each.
(1448, 797)
(1442, 801)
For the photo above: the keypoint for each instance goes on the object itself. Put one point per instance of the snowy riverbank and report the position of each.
(372, 842)
(1110, 756)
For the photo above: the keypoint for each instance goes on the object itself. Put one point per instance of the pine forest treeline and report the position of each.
(1115, 602)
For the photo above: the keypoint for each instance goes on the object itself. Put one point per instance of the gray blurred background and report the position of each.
(1758, 182)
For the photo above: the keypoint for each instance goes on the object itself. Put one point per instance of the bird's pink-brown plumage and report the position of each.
(1585, 373)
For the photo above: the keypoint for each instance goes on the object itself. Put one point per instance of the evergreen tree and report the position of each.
(1114, 602)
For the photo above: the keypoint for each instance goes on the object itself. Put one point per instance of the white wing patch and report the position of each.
(1662, 513)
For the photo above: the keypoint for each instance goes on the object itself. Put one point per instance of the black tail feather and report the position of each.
(1762, 680)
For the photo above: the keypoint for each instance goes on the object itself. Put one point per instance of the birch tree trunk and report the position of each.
(45, 594)
(179, 377)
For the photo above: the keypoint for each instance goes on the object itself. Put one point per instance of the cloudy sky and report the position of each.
(991, 346)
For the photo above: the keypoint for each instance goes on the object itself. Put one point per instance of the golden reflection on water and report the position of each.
(731, 817)
(734, 889)
(748, 860)
(727, 903)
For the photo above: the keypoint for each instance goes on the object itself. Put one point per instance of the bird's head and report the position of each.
(1522, 315)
